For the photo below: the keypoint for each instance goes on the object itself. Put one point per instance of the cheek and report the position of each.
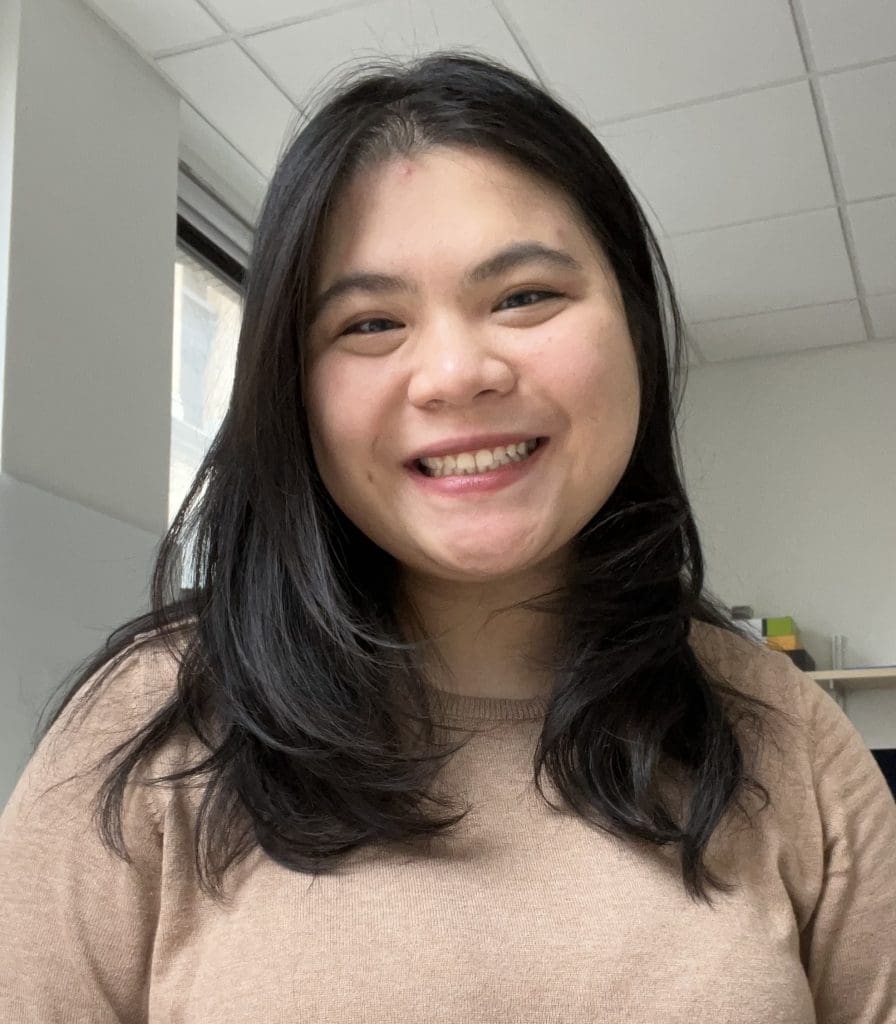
(343, 408)
(596, 373)
(612, 391)
(332, 414)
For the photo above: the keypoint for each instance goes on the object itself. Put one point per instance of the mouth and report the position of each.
(469, 466)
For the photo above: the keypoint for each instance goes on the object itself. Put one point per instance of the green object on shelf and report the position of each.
(778, 627)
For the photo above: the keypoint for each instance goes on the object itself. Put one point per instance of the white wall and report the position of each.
(88, 348)
(88, 199)
(10, 17)
(70, 576)
(790, 462)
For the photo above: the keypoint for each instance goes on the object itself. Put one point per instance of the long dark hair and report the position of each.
(289, 641)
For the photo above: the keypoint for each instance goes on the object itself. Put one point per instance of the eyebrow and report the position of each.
(500, 263)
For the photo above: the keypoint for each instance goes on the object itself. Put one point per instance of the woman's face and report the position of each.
(482, 307)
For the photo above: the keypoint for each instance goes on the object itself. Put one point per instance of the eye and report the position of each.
(377, 322)
(530, 298)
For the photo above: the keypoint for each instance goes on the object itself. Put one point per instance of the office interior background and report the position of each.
(136, 142)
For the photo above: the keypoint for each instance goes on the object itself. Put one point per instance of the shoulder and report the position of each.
(831, 828)
(83, 831)
(742, 661)
(95, 723)
(126, 688)
(810, 749)
(778, 734)
(755, 670)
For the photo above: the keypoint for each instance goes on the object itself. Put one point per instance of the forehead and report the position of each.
(444, 198)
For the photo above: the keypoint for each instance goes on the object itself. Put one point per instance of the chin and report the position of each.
(482, 566)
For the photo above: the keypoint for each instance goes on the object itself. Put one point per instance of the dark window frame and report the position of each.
(213, 256)
(219, 262)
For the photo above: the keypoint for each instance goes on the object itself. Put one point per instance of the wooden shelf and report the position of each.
(856, 678)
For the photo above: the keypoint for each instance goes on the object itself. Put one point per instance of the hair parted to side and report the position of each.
(325, 738)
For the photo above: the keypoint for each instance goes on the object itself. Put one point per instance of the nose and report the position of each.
(454, 362)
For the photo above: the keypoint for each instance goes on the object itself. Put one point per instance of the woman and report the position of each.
(448, 728)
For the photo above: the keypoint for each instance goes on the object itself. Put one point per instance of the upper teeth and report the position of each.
(480, 461)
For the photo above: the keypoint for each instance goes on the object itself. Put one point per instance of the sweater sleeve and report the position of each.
(849, 942)
(78, 921)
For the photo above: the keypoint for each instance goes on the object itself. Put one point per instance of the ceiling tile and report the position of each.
(845, 32)
(785, 330)
(874, 232)
(213, 160)
(755, 268)
(473, 24)
(861, 109)
(613, 60)
(230, 92)
(304, 56)
(883, 314)
(245, 15)
(698, 165)
(160, 25)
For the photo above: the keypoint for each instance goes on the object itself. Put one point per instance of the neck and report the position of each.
(480, 645)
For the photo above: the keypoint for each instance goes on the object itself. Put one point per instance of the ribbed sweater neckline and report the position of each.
(467, 708)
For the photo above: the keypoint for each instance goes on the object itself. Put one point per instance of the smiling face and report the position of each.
(481, 305)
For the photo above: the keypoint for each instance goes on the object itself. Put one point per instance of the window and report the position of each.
(212, 247)
(207, 315)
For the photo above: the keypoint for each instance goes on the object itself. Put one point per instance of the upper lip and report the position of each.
(470, 443)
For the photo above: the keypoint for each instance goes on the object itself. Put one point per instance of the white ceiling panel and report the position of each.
(700, 167)
(785, 330)
(883, 314)
(704, 104)
(159, 25)
(861, 109)
(468, 23)
(845, 32)
(216, 163)
(614, 60)
(229, 90)
(874, 233)
(305, 55)
(245, 15)
(763, 266)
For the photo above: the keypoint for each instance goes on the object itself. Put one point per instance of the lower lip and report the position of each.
(493, 480)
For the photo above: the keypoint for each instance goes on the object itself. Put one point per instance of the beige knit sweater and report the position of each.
(525, 915)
